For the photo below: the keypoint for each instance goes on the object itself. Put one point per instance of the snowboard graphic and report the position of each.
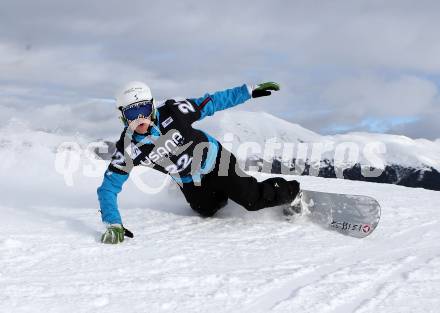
(352, 215)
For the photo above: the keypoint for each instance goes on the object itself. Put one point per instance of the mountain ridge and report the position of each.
(401, 160)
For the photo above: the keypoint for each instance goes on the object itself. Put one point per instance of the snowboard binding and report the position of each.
(295, 208)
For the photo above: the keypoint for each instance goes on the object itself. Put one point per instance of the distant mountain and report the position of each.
(373, 157)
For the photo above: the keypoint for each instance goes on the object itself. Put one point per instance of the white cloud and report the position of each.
(376, 96)
(329, 56)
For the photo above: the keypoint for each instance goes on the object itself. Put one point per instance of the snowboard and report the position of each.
(351, 215)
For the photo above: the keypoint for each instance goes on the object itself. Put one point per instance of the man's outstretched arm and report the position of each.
(221, 100)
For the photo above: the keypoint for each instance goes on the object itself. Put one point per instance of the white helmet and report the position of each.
(133, 92)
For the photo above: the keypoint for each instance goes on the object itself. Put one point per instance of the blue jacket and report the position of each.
(183, 113)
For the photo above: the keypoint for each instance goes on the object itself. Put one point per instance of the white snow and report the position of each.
(51, 259)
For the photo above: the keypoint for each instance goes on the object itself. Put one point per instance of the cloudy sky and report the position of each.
(343, 65)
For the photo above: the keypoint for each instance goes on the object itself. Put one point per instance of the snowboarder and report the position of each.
(161, 136)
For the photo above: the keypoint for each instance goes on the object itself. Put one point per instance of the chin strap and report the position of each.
(153, 115)
(123, 120)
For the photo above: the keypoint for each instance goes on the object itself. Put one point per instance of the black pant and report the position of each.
(228, 181)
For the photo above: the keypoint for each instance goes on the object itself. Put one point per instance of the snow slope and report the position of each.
(256, 126)
(261, 127)
(51, 259)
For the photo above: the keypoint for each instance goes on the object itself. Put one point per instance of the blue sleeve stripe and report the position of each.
(107, 195)
(204, 102)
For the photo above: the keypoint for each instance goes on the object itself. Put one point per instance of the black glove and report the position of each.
(264, 89)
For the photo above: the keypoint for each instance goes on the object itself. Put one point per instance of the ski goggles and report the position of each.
(137, 110)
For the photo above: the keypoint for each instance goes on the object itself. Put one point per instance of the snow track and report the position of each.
(51, 259)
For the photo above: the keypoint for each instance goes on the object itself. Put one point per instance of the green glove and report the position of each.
(114, 234)
(264, 89)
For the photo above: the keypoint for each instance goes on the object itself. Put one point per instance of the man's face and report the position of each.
(140, 125)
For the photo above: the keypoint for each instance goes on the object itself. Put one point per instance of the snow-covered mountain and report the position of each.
(398, 159)
(255, 127)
